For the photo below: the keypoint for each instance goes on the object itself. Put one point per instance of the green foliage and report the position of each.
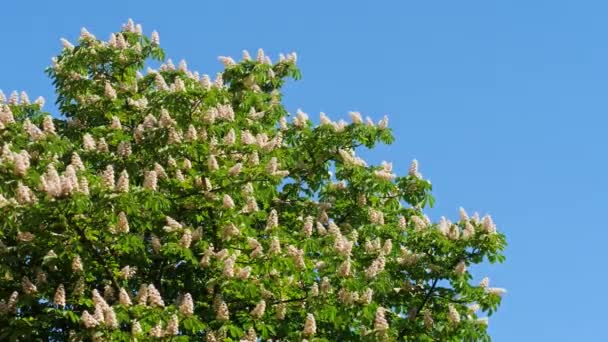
(167, 206)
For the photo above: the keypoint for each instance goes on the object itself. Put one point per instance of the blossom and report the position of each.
(66, 44)
(28, 286)
(123, 223)
(109, 91)
(227, 202)
(85, 34)
(413, 170)
(123, 182)
(222, 313)
(186, 239)
(383, 123)
(355, 117)
(154, 297)
(453, 315)
(488, 224)
(59, 298)
(155, 39)
(157, 330)
(186, 307)
(87, 320)
(273, 220)
(310, 326)
(227, 61)
(150, 180)
(123, 297)
(460, 268)
(259, 309)
(172, 326)
(136, 328)
(380, 323)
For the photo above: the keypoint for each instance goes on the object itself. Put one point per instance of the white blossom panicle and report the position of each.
(464, 217)
(87, 320)
(27, 286)
(453, 315)
(66, 44)
(460, 268)
(275, 246)
(230, 137)
(109, 91)
(355, 117)
(310, 326)
(498, 291)
(186, 307)
(413, 170)
(219, 80)
(154, 297)
(123, 224)
(115, 123)
(24, 99)
(345, 268)
(191, 133)
(205, 82)
(39, 101)
(121, 43)
(123, 182)
(24, 194)
(183, 65)
(488, 224)
(259, 310)
(32, 130)
(59, 298)
(186, 239)
(102, 146)
(228, 269)
(136, 328)
(383, 123)
(260, 57)
(308, 225)
(212, 163)
(273, 220)
(222, 313)
(484, 283)
(380, 323)
(77, 264)
(157, 330)
(246, 55)
(150, 180)
(123, 297)
(14, 98)
(376, 216)
(127, 272)
(48, 126)
(172, 326)
(227, 202)
(468, 230)
(155, 38)
(419, 224)
(376, 267)
(235, 169)
(301, 119)
(226, 61)
(178, 85)
(6, 115)
(85, 34)
(2, 97)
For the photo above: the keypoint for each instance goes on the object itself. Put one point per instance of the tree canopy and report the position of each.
(168, 205)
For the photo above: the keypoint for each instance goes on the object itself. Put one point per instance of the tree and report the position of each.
(169, 206)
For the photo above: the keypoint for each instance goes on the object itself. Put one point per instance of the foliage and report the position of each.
(169, 206)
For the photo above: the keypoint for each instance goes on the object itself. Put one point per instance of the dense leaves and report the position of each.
(172, 206)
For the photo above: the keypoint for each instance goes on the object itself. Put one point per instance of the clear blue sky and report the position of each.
(504, 103)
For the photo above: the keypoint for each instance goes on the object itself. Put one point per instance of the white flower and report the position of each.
(273, 220)
(123, 297)
(380, 323)
(155, 39)
(222, 313)
(227, 202)
(259, 309)
(154, 297)
(66, 44)
(123, 224)
(109, 91)
(355, 117)
(310, 326)
(123, 182)
(460, 268)
(172, 326)
(186, 307)
(453, 315)
(59, 298)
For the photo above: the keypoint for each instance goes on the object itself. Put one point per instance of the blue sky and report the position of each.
(503, 103)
